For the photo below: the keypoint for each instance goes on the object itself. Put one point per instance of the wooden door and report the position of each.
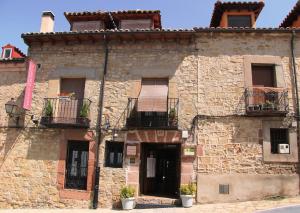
(160, 169)
(69, 108)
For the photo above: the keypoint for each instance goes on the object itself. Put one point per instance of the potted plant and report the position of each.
(172, 117)
(269, 105)
(48, 113)
(84, 112)
(127, 197)
(187, 193)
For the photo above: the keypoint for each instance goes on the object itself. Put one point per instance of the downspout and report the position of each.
(295, 73)
(99, 124)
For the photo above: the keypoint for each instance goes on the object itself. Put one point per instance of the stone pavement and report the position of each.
(240, 207)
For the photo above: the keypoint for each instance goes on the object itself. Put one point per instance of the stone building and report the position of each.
(216, 106)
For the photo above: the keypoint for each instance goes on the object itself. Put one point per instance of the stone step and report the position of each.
(145, 202)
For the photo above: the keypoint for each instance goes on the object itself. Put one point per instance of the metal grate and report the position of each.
(77, 165)
(224, 189)
(278, 136)
(162, 120)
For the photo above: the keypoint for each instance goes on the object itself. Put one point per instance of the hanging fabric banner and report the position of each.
(29, 85)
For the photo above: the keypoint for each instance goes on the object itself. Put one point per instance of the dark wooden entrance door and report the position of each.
(160, 169)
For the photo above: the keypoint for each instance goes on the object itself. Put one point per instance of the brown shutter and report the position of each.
(263, 75)
(153, 96)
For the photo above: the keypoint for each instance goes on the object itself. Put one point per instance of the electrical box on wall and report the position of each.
(284, 148)
(184, 134)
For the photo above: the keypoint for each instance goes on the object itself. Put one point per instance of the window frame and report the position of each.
(235, 16)
(286, 132)
(4, 53)
(112, 146)
(273, 66)
(84, 147)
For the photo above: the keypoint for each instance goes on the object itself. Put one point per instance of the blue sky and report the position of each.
(19, 16)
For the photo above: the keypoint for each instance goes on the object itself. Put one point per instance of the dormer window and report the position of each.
(239, 21)
(236, 14)
(136, 24)
(7, 53)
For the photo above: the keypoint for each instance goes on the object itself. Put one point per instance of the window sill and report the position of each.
(281, 158)
(74, 194)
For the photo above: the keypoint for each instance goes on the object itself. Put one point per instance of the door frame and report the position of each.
(143, 164)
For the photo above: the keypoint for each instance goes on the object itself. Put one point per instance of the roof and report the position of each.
(15, 48)
(100, 12)
(221, 7)
(121, 14)
(140, 34)
(9, 60)
(292, 16)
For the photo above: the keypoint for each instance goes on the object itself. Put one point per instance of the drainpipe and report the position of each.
(295, 73)
(99, 123)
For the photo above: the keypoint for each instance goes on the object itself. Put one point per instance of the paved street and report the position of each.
(241, 207)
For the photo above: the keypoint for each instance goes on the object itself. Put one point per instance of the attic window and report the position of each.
(7, 53)
(239, 21)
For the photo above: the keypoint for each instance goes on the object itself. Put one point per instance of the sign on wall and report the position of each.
(189, 151)
(131, 150)
(29, 85)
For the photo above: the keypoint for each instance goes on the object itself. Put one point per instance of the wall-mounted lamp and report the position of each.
(13, 110)
(107, 123)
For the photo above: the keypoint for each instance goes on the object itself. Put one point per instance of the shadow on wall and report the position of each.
(43, 145)
(40, 145)
(12, 120)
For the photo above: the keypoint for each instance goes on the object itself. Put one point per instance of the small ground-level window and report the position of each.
(114, 154)
(278, 136)
(77, 165)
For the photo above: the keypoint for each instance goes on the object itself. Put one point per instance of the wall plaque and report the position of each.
(131, 150)
(189, 151)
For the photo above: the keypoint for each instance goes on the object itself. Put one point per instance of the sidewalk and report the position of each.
(241, 207)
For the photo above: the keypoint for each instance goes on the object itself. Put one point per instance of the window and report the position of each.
(7, 53)
(278, 136)
(114, 154)
(136, 24)
(77, 165)
(263, 75)
(239, 21)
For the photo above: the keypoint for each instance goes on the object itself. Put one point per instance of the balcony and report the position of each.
(152, 120)
(66, 112)
(266, 101)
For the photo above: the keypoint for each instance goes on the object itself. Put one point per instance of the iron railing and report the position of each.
(65, 111)
(266, 100)
(154, 120)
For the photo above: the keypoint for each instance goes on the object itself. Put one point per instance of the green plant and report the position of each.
(172, 113)
(269, 104)
(188, 189)
(127, 192)
(84, 112)
(48, 109)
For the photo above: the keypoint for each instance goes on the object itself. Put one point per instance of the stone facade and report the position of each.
(207, 74)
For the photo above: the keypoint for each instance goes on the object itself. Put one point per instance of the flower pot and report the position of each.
(128, 203)
(187, 200)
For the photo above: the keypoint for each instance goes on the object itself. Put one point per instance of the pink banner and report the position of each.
(29, 85)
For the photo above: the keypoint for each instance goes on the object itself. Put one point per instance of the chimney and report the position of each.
(47, 22)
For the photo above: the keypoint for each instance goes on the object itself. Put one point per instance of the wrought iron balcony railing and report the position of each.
(66, 112)
(266, 101)
(152, 120)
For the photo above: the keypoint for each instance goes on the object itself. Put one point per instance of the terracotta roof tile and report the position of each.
(221, 7)
(100, 12)
(292, 16)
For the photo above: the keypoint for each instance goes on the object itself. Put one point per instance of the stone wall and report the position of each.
(207, 76)
(28, 166)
